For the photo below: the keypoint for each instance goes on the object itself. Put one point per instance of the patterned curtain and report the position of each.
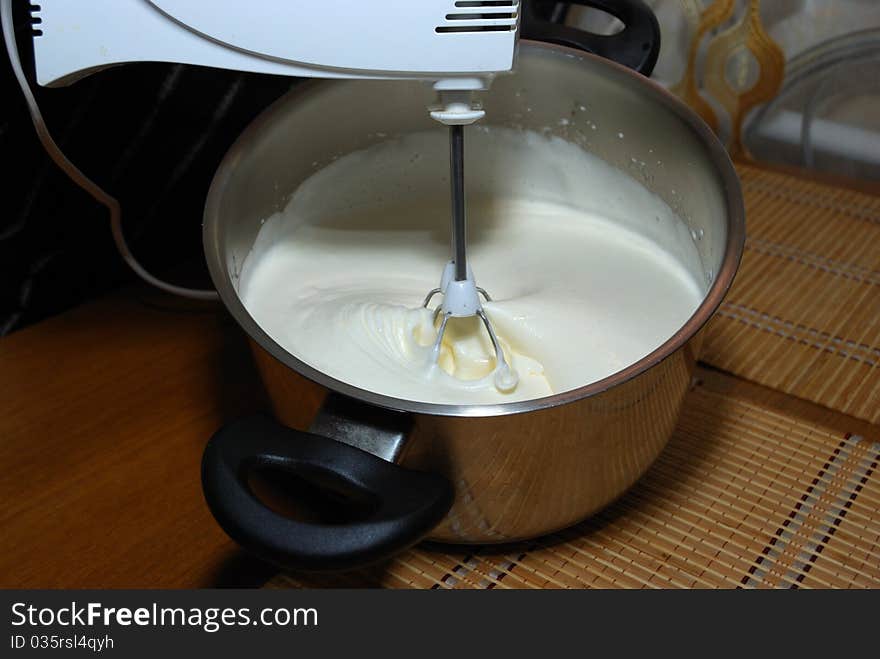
(796, 82)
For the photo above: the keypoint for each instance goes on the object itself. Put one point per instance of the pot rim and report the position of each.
(717, 291)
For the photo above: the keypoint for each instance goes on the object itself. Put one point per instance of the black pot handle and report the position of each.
(636, 46)
(406, 504)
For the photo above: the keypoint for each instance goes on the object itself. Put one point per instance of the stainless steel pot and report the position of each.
(460, 473)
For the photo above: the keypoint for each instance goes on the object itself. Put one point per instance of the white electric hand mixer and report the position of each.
(457, 45)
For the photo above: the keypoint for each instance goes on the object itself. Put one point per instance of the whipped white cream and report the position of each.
(588, 270)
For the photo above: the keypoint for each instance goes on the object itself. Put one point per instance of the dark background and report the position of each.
(152, 135)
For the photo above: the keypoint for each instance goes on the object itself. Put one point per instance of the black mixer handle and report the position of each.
(636, 46)
(398, 506)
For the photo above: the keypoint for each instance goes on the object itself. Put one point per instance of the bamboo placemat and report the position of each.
(758, 487)
(803, 315)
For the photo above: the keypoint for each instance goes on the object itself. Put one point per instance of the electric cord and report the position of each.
(75, 175)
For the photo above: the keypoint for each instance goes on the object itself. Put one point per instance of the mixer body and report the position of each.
(434, 40)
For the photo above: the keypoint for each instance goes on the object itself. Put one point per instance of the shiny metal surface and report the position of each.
(522, 475)
(526, 468)
(459, 216)
(363, 426)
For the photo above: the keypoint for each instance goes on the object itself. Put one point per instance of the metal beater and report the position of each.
(461, 295)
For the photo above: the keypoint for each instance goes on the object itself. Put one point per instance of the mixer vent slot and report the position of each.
(482, 16)
(36, 20)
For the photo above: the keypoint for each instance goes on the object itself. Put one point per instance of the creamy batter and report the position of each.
(588, 270)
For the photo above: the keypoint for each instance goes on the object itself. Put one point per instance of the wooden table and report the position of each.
(104, 412)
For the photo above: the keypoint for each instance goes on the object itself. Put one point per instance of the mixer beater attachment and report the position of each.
(461, 295)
